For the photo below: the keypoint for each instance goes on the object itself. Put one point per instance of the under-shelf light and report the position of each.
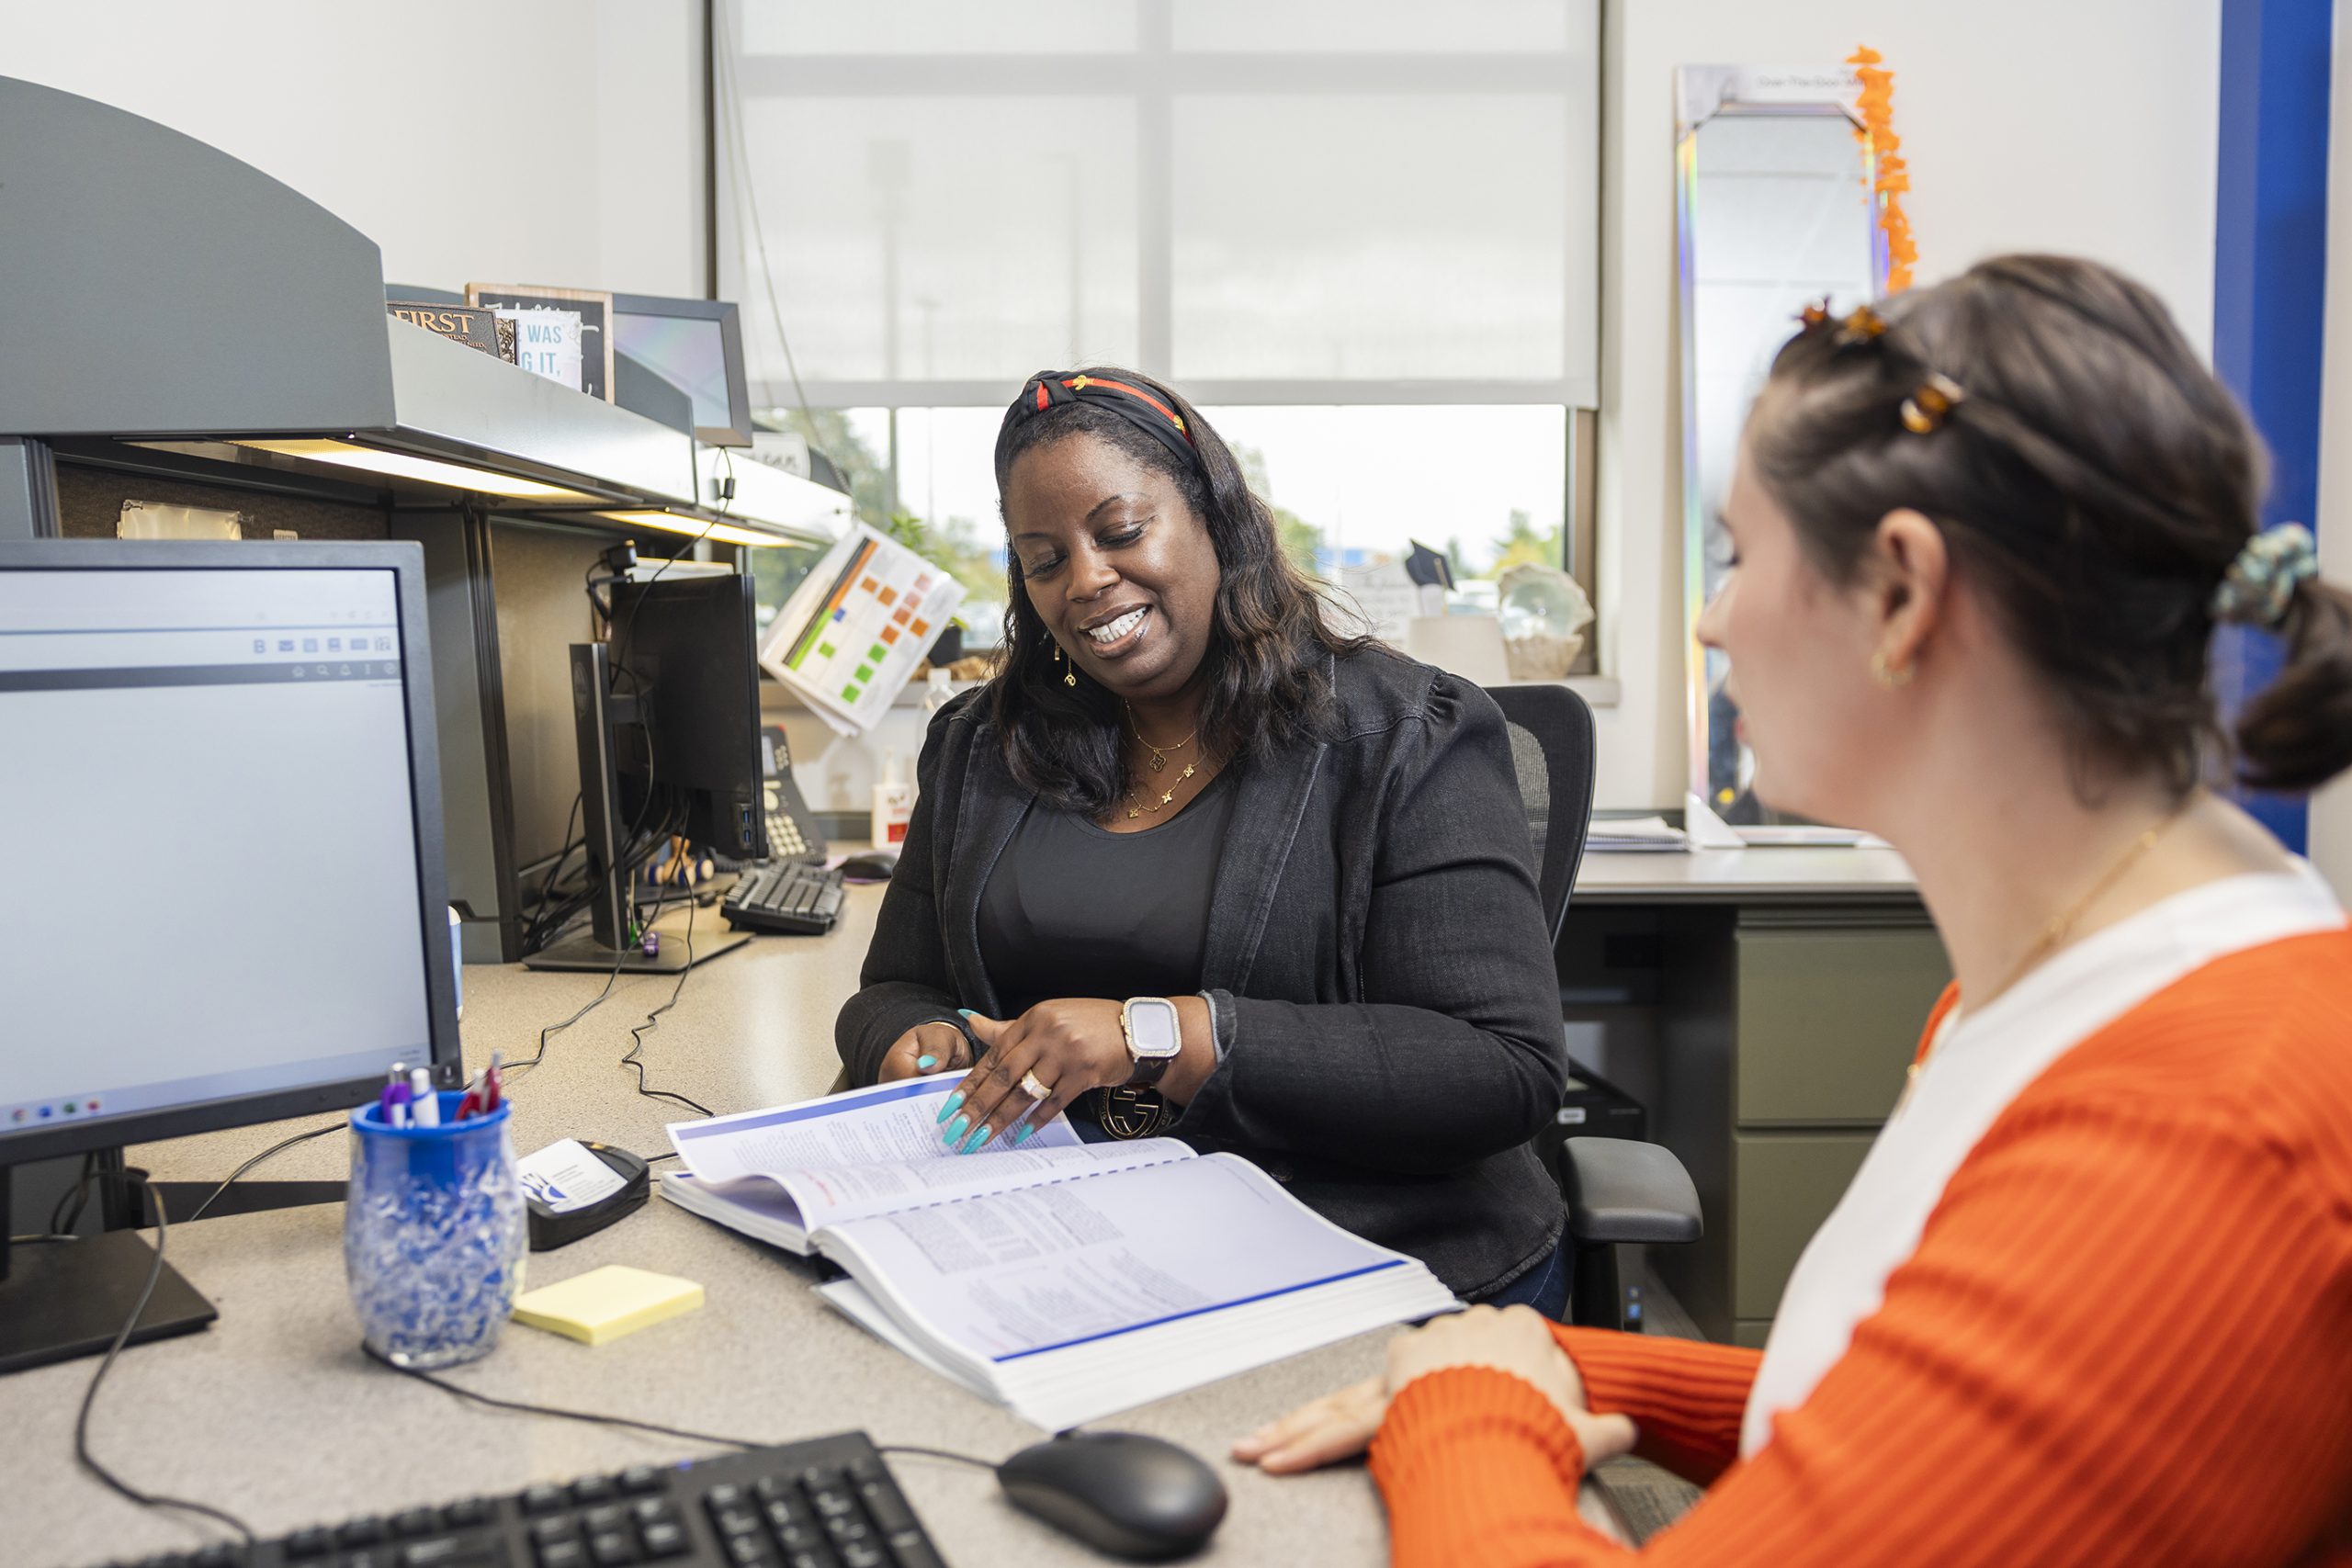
(700, 529)
(409, 465)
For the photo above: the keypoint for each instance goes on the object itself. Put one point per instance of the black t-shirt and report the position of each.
(1073, 909)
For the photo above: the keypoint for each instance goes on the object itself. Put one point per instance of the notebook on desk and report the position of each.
(1066, 1280)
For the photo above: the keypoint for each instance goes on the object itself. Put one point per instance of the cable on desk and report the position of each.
(653, 1021)
(479, 1398)
(611, 975)
(932, 1453)
(277, 1148)
(82, 1453)
(524, 1407)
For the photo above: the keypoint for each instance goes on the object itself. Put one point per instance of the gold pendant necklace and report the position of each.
(2052, 935)
(1159, 753)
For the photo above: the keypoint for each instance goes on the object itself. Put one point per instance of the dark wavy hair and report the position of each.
(1267, 668)
(2093, 478)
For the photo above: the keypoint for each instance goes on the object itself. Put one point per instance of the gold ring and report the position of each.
(1033, 1088)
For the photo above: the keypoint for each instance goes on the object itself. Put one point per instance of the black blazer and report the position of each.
(1376, 964)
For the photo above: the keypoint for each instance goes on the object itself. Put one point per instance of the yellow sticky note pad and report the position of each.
(605, 1303)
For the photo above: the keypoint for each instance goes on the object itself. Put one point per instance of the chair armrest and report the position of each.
(1625, 1192)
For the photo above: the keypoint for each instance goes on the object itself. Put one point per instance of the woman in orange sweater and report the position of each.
(2089, 1299)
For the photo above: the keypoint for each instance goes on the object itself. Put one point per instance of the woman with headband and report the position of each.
(1196, 862)
(2089, 1299)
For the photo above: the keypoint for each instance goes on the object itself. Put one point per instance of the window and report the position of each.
(1361, 235)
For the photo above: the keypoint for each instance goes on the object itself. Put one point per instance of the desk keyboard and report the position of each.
(784, 895)
(826, 1502)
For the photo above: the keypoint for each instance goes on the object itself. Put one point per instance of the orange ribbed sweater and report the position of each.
(2125, 1337)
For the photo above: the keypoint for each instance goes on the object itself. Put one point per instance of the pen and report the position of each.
(494, 1089)
(391, 1104)
(423, 1110)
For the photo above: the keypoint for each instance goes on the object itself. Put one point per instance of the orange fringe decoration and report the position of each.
(1877, 105)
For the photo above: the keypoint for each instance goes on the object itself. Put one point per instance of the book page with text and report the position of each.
(1051, 1267)
(860, 1126)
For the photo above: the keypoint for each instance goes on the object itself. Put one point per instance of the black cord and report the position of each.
(932, 1453)
(82, 1453)
(274, 1148)
(597, 1418)
(76, 1197)
(612, 975)
(653, 1021)
(464, 1392)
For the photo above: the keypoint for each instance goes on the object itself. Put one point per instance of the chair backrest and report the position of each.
(1551, 747)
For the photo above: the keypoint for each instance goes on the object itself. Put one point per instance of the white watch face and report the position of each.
(1151, 1027)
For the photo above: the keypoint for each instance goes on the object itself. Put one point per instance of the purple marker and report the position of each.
(393, 1104)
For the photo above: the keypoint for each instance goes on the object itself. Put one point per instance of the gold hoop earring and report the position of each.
(1887, 676)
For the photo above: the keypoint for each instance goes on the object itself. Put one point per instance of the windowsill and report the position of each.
(1598, 690)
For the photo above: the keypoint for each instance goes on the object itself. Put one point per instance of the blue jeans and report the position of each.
(1544, 1287)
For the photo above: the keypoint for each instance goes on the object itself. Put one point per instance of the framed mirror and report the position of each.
(1775, 209)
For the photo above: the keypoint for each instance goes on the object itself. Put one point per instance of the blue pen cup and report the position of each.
(432, 1235)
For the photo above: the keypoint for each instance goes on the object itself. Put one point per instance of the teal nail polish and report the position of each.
(1021, 1137)
(956, 1128)
(965, 1013)
(980, 1134)
(925, 1064)
(954, 1101)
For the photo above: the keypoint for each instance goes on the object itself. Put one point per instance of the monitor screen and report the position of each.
(688, 648)
(217, 850)
(688, 352)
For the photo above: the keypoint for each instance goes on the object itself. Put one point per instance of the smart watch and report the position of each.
(1154, 1036)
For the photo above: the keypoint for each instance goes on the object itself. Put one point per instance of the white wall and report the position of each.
(2088, 126)
(495, 141)
(2331, 820)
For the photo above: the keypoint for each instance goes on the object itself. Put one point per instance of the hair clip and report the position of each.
(1924, 411)
(1862, 326)
(1813, 318)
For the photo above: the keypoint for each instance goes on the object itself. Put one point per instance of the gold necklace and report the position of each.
(2055, 934)
(1159, 753)
(1137, 804)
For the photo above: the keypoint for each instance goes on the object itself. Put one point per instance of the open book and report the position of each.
(1065, 1280)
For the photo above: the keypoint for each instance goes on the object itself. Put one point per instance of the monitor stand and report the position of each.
(596, 713)
(586, 953)
(63, 1299)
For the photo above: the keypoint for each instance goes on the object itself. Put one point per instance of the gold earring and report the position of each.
(1069, 677)
(1887, 676)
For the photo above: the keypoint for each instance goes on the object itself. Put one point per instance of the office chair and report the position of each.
(1618, 1191)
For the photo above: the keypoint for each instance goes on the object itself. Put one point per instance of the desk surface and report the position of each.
(274, 1413)
(1773, 875)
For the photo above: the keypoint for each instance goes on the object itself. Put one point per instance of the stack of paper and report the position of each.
(1635, 835)
(1068, 1281)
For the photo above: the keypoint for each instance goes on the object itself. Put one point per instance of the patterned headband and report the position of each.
(1140, 406)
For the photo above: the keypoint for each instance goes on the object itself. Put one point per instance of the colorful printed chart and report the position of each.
(858, 628)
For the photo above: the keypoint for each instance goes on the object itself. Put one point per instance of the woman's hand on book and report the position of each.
(924, 1050)
(1072, 1044)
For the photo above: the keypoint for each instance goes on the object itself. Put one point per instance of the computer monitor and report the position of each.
(218, 770)
(696, 345)
(668, 717)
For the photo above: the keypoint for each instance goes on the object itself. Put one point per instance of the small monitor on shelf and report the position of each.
(696, 345)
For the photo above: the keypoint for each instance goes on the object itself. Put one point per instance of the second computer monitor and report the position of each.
(686, 649)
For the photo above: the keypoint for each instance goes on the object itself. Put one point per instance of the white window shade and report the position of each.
(1313, 203)
(1376, 237)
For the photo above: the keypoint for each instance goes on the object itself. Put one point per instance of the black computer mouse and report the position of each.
(872, 866)
(1119, 1492)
